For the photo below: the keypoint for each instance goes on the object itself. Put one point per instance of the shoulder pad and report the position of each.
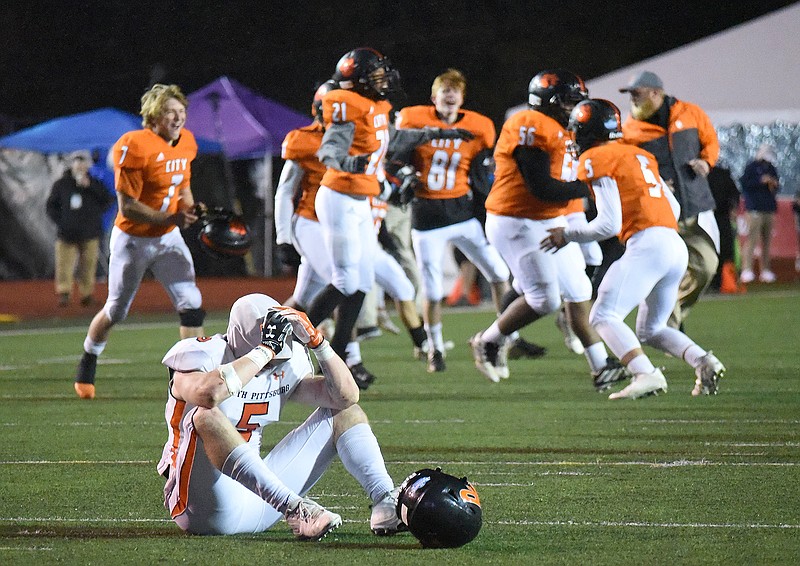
(196, 354)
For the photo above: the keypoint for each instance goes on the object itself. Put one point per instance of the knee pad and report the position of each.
(193, 318)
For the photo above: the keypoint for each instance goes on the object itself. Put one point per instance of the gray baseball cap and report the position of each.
(645, 79)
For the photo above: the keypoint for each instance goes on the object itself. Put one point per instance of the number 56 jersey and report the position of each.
(258, 404)
(443, 165)
(153, 171)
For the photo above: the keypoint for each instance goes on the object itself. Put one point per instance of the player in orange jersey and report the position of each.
(356, 141)
(534, 180)
(296, 223)
(443, 211)
(152, 169)
(633, 201)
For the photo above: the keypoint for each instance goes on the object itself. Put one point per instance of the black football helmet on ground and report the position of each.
(367, 72)
(223, 234)
(440, 510)
(555, 93)
(594, 121)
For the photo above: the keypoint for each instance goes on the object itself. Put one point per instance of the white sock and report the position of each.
(641, 364)
(596, 355)
(493, 334)
(435, 336)
(353, 352)
(693, 354)
(92, 347)
(245, 465)
(359, 452)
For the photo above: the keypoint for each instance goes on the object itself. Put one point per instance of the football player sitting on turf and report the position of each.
(633, 201)
(224, 389)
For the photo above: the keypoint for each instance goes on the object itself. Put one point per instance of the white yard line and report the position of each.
(501, 522)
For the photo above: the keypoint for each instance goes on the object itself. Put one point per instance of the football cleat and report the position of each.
(436, 362)
(368, 333)
(485, 355)
(611, 373)
(421, 352)
(362, 376)
(384, 520)
(84, 377)
(521, 348)
(708, 375)
(571, 341)
(501, 367)
(311, 521)
(84, 390)
(643, 384)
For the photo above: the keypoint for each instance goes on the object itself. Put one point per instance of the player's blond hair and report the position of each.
(451, 77)
(153, 102)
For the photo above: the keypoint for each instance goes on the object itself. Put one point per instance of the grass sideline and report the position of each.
(564, 475)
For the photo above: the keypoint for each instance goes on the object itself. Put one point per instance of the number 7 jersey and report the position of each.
(153, 171)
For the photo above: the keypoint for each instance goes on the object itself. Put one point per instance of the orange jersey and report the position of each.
(510, 195)
(444, 165)
(371, 135)
(152, 171)
(638, 181)
(301, 146)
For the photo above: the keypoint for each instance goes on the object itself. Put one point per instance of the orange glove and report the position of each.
(306, 332)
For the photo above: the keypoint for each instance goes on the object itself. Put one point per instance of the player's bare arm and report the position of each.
(141, 213)
(209, 389)
(335, 388)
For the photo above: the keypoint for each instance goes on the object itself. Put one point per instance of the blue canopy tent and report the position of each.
(30, 163)
(96, 129)
(247, 126)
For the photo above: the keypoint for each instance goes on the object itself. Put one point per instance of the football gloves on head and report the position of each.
(276, 331)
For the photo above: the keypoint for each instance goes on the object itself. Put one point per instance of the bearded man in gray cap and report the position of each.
(682, 138)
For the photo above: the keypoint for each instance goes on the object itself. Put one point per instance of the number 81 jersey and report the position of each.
(444, 165)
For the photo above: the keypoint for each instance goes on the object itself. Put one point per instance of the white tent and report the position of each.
(745, 74)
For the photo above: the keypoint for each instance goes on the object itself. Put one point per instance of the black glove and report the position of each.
(356, 163)
(450, 134)
(407, 185)
(287, 255)
(276, 331)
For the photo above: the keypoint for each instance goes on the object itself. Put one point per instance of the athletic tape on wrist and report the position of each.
(232, 380)
(323, 352)
(260, 355)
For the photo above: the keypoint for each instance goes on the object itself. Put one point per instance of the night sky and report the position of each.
(60, 58)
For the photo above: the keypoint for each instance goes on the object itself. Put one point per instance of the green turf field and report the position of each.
(565, 476)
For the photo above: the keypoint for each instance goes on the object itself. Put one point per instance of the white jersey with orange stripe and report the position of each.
(258, 404)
